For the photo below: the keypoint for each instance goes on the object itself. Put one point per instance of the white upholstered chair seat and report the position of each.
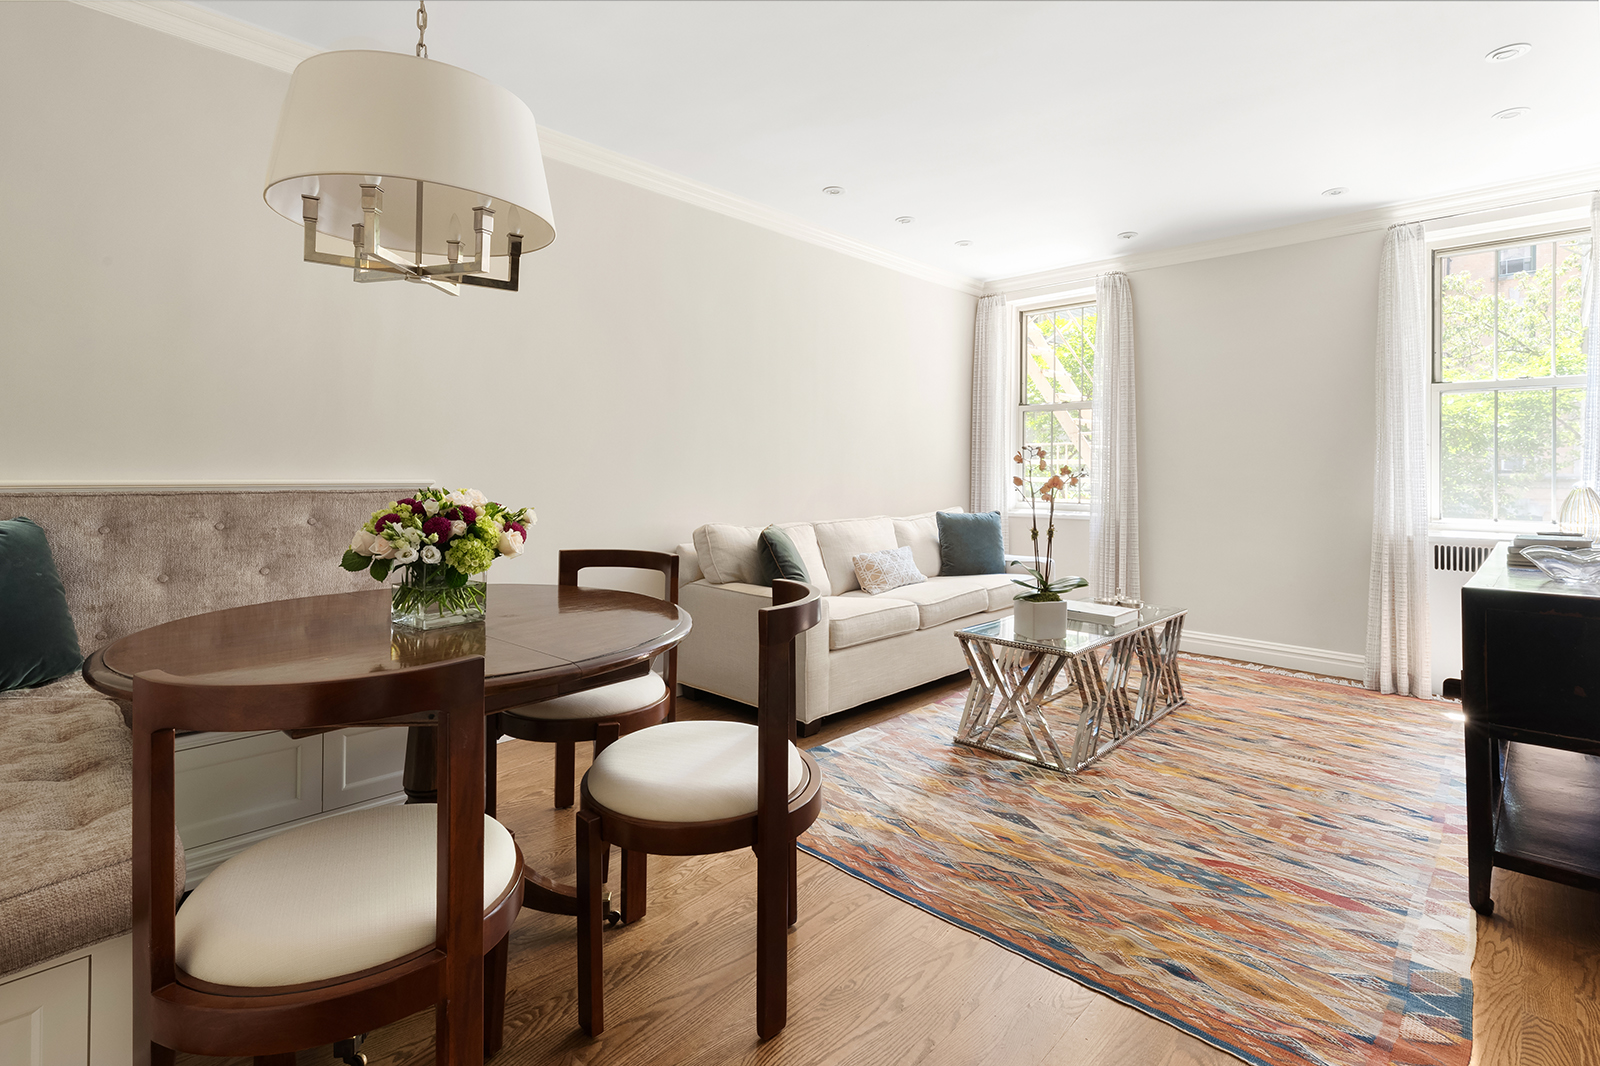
(684, 772)
(330, 898)
(607, 701)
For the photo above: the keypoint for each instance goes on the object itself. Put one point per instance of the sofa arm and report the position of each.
(720, 654)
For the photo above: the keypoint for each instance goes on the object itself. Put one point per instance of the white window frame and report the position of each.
(1021, 310)
(1437, 388)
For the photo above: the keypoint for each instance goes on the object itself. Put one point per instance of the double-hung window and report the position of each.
(1508, 379)
(1056, 390)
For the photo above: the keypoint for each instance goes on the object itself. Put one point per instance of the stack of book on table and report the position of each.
(1106, 614)
(1566, 541)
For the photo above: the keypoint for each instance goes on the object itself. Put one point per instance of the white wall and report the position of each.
(663, 366)
(1256, 425)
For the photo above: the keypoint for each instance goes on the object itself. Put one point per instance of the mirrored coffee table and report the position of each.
(1099, 686)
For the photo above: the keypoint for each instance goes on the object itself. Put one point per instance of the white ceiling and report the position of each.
(1036, 130)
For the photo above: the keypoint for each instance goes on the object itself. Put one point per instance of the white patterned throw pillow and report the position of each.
(881, 571)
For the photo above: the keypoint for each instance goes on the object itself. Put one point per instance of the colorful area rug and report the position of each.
(1278, 868)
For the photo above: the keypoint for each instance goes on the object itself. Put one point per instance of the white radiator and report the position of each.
(1455, 558)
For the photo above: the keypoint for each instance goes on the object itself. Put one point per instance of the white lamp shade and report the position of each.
(354, 116)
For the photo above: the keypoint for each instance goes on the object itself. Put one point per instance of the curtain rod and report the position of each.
(1502, 207)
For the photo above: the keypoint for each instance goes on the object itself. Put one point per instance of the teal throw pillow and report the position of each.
(776, 557)
(38, 642)
(970, 544)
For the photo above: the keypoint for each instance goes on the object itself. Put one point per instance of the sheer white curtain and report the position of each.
(1590, 474)
(990, 417)
(1113, 459)
(1398, 645)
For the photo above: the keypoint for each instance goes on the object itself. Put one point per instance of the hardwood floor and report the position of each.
(876, 981)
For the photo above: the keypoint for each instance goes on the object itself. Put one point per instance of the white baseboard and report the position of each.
(200, 860)
(1267, 653)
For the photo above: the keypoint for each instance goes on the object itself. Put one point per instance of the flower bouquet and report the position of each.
(440, 542)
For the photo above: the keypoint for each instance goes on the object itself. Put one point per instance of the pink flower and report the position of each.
(437, 525)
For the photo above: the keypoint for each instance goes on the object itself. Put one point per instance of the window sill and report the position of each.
(1075, 515)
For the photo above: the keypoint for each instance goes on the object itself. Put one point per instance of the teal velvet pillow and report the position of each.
(777, 558)
(970, 544)
(38, 643)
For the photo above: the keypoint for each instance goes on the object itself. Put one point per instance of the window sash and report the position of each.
(1024, 409)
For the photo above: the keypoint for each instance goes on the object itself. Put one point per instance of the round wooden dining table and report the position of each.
(538, 642)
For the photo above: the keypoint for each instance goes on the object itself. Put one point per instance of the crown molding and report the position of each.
(1434, 209)
(604, 161)
(209, 29)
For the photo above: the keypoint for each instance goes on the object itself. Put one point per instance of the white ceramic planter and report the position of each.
(1039, 621)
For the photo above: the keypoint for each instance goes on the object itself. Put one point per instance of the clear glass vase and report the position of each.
(425, 599)
(1580, 512)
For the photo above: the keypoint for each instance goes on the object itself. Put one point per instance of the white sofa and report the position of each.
(865, 647)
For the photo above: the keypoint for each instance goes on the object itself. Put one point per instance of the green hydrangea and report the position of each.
(487, 529)
(469, 555)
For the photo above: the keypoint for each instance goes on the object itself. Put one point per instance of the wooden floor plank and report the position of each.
(874, 981)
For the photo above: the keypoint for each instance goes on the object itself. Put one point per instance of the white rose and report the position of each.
(510, 542)
(431, 506)
(361, 543)
(413, 536)
(431, 555)
(475, 499)
(457, 499)
(532, 519)
(457, 528)
(404, 556)
(381, 548)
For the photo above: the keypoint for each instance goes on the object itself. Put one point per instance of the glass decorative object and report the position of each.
(425, 599)
(1580, 512)
(1570, 568)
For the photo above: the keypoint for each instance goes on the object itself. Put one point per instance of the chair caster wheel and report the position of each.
(349, 1051)
(613, 918)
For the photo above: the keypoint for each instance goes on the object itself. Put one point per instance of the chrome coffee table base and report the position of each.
(1021, 686)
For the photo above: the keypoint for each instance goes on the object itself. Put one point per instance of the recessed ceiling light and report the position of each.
(833, 190)
(963, 244)
(1507, 52)
(1128, 234)
(1338, 190)
(1511, 112)
(905, 220)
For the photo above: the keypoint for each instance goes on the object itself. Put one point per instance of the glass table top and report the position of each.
(1081, 636)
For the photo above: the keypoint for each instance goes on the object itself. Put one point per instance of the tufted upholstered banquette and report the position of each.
(130, 559)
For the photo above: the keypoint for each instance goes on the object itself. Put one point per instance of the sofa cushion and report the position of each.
(804, 539)
(862, 619)
(920, 533)
(1000, 587)
(938, 600)
(776, 556)
(728, 553)
(844, 539)
(971, 543)
(38, 642)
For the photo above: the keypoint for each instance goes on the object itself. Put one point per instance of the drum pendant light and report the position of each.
(441, 144)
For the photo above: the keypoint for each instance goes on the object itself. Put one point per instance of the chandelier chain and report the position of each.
(422, 29)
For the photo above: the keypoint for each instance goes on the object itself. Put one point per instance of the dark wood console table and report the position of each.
(1530, 690)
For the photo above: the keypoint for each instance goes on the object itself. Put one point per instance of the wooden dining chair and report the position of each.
(629, 705)
(336, 927)
(699, 788)
(600, 714)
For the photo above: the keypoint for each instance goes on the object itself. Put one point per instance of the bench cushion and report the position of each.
(66, 824)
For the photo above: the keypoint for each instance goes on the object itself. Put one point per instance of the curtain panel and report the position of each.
(1590, 474)
(1113, 466)
(1398, 643)
(990, 416)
